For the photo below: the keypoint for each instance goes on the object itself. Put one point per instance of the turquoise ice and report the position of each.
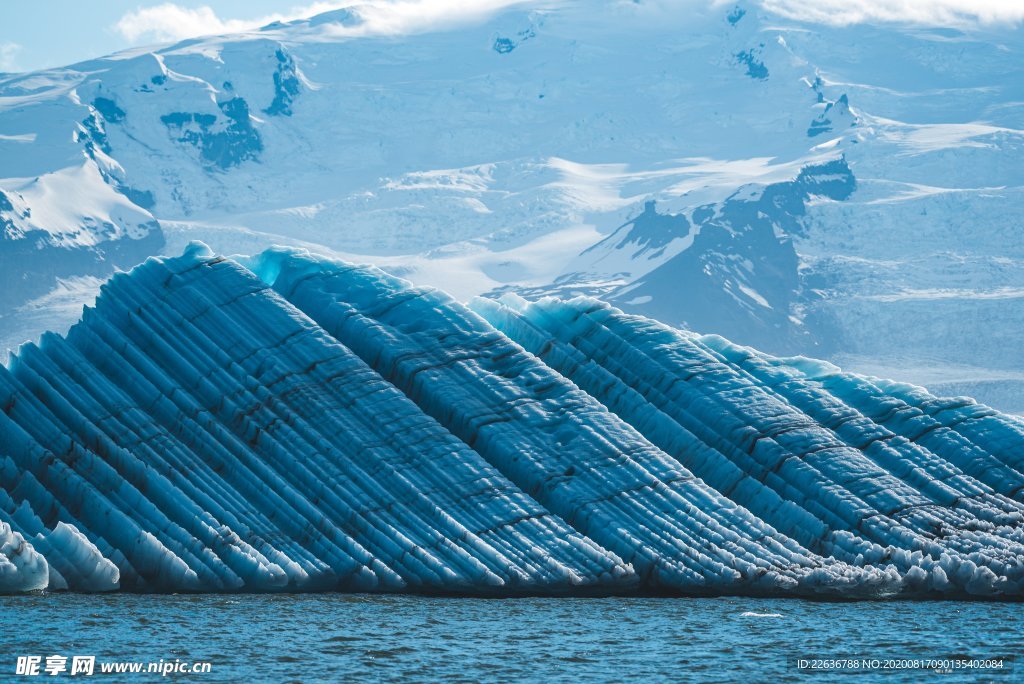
(290, 422)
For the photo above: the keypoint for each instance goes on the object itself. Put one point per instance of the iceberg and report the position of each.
(22, 568)
(204, 434)
(288, 422)
(864, 470)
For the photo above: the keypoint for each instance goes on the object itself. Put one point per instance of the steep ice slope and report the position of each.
(553, 441)
(313, 425)
(833, 460)
(794, 460)
(204, 435)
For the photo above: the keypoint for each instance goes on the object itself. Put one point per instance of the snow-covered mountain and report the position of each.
(854, 193)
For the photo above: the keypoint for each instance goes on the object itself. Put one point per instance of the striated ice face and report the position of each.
(290, 422)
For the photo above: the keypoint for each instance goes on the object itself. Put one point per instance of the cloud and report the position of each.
(9, 56)
(173, 22)
(170, 22)
(926, 12)
(411, 16)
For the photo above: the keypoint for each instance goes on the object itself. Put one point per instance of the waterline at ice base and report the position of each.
(289, 422)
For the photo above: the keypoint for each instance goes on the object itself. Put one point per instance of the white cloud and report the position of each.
(9, 56)
(410, 16)
(174, 22)
(169, 21)
(926, 12)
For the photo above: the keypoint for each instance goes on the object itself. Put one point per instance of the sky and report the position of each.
(48, 33)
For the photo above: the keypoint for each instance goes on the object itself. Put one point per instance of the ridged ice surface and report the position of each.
(864, 470)
(288, 422)
(202, 434)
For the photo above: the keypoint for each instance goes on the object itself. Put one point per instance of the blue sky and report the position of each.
(36, 34)
(46, 33)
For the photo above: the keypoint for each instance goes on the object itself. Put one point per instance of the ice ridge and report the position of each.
(287, 422)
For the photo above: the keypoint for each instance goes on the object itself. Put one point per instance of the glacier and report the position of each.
(611, 149)
(294, 422)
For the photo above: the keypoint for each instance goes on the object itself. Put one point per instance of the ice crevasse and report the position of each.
(286, 422)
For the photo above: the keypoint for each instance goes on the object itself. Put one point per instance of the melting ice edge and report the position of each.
(289, 422)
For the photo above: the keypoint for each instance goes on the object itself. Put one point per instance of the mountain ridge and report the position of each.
(493, 156)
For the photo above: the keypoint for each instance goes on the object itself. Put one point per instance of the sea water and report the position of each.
(336, 637)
